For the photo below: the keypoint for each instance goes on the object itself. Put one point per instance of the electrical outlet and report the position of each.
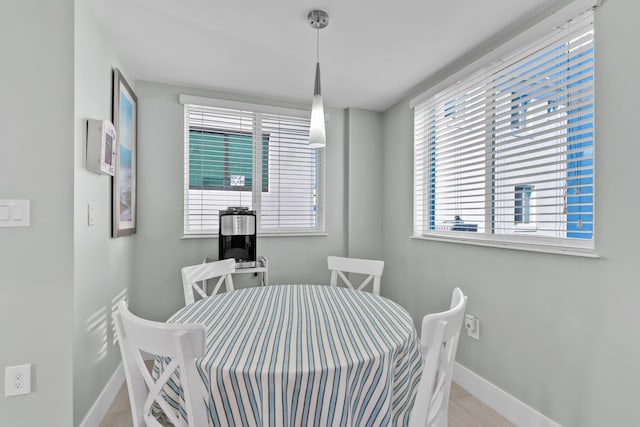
(17, 380)
(472, 324)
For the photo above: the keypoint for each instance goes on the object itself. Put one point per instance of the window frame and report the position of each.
(515, 240)
(258, 110)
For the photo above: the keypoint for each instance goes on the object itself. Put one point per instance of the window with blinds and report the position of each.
(255, 159)
(506, 154)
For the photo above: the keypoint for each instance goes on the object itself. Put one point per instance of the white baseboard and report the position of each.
(500, 401)
(105, 399)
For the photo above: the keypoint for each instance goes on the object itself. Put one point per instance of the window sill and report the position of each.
(519, 246)
(300, 234)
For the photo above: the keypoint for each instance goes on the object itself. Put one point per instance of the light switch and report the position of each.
(14, 213)
(91, 218)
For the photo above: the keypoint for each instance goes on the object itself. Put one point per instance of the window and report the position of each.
(507, 152)
(253, 158)
(522, 211)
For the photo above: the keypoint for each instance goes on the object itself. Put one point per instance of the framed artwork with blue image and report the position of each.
(125, 117)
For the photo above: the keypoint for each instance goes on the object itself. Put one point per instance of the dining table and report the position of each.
(303, 355)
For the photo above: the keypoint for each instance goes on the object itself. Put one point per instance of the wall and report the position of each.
(557, 332)
(364, 183)
(36, 155)
(160, 250)
(103, 265)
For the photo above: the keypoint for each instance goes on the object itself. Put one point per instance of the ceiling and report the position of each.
(371, 54)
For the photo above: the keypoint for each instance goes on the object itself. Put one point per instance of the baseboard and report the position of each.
(99, 409)
(500, 401)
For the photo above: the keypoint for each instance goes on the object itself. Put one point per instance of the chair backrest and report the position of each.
(194, 278)
(439, 342)
(372, 268)
(182, 343)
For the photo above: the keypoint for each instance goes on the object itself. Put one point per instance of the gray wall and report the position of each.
(102, 265)
(160, 250)
(364, 183)
(36, 163)
(557, 332)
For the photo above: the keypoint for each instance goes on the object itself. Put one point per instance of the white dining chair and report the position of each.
(370, 267)
(194, 278)
(439, 342)
(182, 343)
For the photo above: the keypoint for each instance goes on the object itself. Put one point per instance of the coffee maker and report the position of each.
(237, 236)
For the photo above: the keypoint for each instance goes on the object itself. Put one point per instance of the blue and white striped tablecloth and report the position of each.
(305, 355)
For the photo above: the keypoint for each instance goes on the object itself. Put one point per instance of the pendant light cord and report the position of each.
(318, 45)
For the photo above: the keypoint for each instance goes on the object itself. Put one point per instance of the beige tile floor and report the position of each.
(464, 411)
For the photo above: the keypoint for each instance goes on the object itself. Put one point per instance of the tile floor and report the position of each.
(464, 411)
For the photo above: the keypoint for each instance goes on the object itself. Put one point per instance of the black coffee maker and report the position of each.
(237, 236)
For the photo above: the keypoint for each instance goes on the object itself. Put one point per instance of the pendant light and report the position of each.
(318, 19)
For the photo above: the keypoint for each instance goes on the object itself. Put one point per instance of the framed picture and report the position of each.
(125, 117)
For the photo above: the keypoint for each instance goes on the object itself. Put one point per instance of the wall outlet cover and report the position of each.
(17, 380)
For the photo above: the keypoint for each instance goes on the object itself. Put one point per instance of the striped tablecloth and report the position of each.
(305, 355)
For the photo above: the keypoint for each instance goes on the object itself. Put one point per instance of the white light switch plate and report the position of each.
(15, 213)
(91, 215)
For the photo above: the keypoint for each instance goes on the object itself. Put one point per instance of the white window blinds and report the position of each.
(294, 170)
(507, 153)
(262, 161)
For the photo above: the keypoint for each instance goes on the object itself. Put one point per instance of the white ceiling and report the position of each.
(371, 54)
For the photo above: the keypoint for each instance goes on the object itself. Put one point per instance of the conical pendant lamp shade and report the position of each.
(317, 135)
